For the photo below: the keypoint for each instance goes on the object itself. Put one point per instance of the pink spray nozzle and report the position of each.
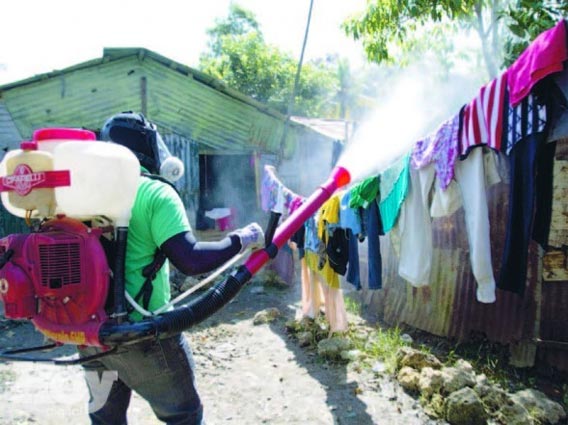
(340, 176)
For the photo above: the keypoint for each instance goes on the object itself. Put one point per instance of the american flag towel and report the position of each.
(482, 120)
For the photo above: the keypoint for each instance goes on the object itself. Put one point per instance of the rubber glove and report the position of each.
(251, 236)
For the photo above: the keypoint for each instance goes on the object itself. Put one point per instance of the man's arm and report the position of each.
(193, 257)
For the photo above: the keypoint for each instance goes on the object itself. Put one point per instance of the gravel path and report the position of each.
(246, 374)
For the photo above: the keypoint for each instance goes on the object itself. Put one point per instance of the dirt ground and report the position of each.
(246, 374)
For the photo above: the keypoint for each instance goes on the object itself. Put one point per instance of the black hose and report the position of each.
(179, 319)
(119, 312)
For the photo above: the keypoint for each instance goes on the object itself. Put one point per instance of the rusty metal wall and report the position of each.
(554, 306)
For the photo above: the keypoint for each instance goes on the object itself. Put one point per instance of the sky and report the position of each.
(38, 36)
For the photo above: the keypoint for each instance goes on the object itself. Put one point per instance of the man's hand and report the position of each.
(251, 236)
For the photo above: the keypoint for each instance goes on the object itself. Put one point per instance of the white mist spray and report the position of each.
(415, 106)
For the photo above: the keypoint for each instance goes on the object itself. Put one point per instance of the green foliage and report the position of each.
(239, 21)
(352, 306)
(395, 31)
(390, 23)
(240, 56)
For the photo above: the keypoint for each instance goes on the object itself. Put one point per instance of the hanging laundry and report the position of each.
(393, 188)
(328, 215)
(274, 195)
(337, 249)
(544, 56)
(531, 164)
(333, 237)
(374, 229)
(327, 220)
(441, 148)
(311, 242)
(470, 175)
(559, 116)
(350, 220)
(482, 118)
(522, 120)
(415, 229)
(318, 277)
(362, 194)
(416, 225)
(353, 269)
(312, 295)
(447, 202)
(335, 311)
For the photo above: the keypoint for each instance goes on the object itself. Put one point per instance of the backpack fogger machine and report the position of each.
(75, 193)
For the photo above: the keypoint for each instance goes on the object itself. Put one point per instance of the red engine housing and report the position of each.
(59, 278)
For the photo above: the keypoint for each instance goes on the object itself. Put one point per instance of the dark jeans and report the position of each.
(159, 371)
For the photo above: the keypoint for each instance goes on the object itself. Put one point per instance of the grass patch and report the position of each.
(352, 306)
(379, 345)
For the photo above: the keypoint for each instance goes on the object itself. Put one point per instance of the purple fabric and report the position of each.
(268, 191)
(270, 188)
(440, 147)
(296, 203)
(283, 265)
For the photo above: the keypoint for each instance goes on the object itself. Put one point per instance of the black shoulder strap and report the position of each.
(150, 272)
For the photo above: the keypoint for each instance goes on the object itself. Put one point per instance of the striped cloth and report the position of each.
(527, 118)
(482, 119)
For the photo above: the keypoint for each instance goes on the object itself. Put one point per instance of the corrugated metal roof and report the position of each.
(180, 99)
(335, 129)
(112, 54)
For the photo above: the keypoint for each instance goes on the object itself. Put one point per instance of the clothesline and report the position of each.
(511, 116)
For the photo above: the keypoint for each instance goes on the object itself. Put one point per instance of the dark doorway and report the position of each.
(227, 181)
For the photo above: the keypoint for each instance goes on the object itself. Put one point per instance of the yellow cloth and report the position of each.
(328, 213)
(330, 277)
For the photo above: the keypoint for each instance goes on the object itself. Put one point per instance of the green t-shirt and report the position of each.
(157, 214)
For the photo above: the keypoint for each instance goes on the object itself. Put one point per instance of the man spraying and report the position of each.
(162, 370)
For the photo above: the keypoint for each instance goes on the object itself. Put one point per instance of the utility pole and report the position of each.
(296, 83)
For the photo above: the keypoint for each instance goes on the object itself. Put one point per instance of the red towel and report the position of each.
(544, 56)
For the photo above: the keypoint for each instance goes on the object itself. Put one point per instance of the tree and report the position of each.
(239, 21)
(388, 26)
(239, 55)
(417, 25)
